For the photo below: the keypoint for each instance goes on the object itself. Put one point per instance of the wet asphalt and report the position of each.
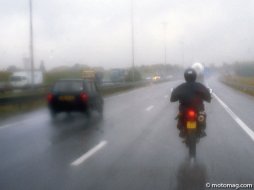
(142, 149)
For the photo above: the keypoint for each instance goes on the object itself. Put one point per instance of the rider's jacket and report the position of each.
(191, 94)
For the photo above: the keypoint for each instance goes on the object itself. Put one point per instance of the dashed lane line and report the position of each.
(88, 154)
(149, 108)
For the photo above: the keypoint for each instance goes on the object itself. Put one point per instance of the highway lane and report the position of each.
(242, 104)
(142, 149)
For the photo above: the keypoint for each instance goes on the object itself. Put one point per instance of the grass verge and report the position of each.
(243, 84)
(10, 110)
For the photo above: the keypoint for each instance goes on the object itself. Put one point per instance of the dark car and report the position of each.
(75, 95)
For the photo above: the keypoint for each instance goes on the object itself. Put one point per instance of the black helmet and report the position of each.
(190, 75)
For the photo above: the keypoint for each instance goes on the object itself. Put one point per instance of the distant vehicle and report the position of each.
(118, 75)
(156, 78)
(75, 95)
(94, 75)
(24, 78)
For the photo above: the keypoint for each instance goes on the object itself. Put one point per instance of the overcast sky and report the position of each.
(98, 32)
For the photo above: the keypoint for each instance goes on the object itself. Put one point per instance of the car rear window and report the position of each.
(68, 86)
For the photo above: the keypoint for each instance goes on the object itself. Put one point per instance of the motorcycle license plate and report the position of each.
(191, 124)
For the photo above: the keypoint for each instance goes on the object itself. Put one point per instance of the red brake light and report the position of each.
(191, 114)
(84, 97)
(50, 97)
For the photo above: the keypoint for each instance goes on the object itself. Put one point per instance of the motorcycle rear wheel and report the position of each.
(192, 145)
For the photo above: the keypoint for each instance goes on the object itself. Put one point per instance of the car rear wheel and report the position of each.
(88, 113)
(100, 108)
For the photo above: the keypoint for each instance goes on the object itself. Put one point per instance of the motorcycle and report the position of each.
(192, 121)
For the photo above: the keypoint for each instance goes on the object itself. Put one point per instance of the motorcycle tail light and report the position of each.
(191, 114)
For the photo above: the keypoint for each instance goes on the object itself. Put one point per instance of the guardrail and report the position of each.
(21, 99)
(105, 90)
(30, 97)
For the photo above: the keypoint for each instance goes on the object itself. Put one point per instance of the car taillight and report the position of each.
(84, 97)
(191, 114)
(50, 97)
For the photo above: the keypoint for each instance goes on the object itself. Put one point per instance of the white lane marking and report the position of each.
(236, 118)
(88, 154)
(166, 96)
(149, 108)
(8, 125)
(15, 124)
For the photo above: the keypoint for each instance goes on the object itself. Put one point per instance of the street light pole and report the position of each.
(31, 41)
(132, 42)
(183, 53)
(165, 42)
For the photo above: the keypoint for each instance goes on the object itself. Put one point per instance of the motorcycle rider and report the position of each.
(199, 68)
(190, 94)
